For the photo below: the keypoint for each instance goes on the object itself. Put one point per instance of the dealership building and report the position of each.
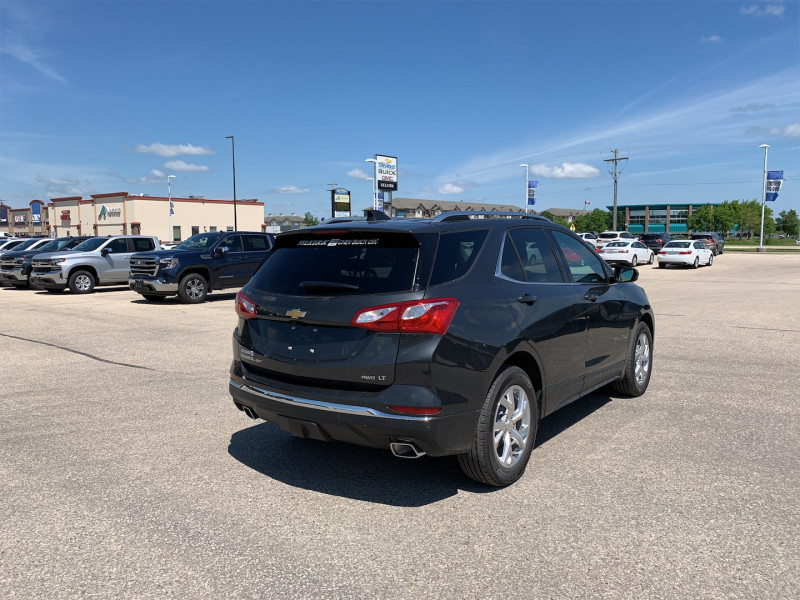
(657, 218)
(120, 213)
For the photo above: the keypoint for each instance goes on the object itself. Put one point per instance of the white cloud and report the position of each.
(171, 150)
(450, 188)
(792, 131)
(59, 187)
(290, 189)
(357, 174)
(179, 165)
(565, 171)
(154, 177)
(770, 9)
(33, 58)
(752, 107)
(712, 39)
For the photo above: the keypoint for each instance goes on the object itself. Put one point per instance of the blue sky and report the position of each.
(109, 96)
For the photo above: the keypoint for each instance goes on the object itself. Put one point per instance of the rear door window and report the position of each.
(527, 256)
(340, 262)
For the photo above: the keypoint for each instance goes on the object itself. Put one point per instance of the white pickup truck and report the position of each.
(97, 261)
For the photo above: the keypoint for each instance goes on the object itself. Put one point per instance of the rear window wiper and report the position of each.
(327, 286)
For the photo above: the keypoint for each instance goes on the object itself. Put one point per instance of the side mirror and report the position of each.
(220, 250)
(104, 252)
(626, 274)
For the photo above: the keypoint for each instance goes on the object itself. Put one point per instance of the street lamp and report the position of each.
(233, 156)
(763, 198)
(526, 186)
(374, 182)
(170, 234)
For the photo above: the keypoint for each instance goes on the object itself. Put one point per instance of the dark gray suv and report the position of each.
(451, 335)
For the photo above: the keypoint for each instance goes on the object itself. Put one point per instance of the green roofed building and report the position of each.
(655, 218)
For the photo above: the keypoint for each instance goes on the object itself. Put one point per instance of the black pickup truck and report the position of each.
(200, 264)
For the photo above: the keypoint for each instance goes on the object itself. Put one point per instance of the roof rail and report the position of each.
(484, 214)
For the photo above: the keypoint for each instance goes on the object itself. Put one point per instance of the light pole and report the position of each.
(170, 235)
(526, 186)
(374, 181)
(763, 198)
(233, 156)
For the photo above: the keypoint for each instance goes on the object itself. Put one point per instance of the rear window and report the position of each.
(608, 236)
(342, 262)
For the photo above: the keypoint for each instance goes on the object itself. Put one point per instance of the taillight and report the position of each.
(662, 252)
(420, 316)
(245, 307)
(685, 252)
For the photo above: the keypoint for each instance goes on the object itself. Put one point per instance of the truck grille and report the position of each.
(44, 266)
(9, 265)
(144, 266)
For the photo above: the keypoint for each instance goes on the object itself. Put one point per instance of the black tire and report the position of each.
(652, 258)
(710, 260)
(634, 261)
(639, 367)
(510, 414)
(153, 297)
(193, 289)
(696, 262)
(81, 282)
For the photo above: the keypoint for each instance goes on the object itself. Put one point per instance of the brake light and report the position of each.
(415, 410)
(245, 307)
(420, 316)
(685, 252)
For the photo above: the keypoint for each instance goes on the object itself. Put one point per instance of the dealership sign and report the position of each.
(110, 212)
(386, 172)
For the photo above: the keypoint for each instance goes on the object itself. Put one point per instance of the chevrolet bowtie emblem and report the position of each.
(295, 313)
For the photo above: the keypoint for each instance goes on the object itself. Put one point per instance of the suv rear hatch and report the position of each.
(300, 326)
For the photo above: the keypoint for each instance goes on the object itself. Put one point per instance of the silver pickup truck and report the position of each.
(97, 261)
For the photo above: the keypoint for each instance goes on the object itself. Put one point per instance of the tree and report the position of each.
(597, 220)
(702, 219)
(788, 222)
(309, 220)
(555, 219)
(724, 218)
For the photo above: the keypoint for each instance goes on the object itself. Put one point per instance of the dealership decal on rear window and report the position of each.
(338, 242)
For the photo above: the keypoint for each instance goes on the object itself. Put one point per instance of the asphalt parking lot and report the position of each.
(128, 473)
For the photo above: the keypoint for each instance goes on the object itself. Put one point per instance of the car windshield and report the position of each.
(199, 241)
(686, 244)
(89, 245)
(51, 245)
(27, 244)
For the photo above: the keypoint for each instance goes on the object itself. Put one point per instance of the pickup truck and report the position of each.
(15, 266)
(202, 263)
(97, 261)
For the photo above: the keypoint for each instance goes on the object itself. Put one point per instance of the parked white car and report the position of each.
(630, 253)
(589, 238)
(688, 253)
(614, 236)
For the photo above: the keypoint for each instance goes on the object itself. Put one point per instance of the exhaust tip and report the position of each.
(405, 450)
(248, 411)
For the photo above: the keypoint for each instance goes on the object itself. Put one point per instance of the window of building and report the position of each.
(195, 229)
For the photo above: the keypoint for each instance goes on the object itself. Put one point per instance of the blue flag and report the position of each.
(171, 208)
(774, 181)
(532, 192)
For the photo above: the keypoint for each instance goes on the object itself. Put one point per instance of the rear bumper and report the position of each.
(362, 425)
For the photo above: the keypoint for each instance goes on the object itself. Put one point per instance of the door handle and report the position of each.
(591, 296)
(526, 299)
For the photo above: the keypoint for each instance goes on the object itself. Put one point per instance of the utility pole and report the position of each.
(615, 174)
